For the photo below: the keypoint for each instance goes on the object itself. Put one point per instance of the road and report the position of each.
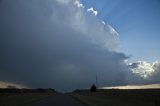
(58, 100)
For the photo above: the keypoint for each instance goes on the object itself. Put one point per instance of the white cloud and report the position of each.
(65, 1)
(103, 22)
(112, 30)
(145, 69)
(80, 5)
(92, 11)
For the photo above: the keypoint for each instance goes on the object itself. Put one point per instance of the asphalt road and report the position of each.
(58, 100)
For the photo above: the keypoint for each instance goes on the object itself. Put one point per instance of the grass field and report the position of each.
(22, 97)
(109, 97)
(114, 97)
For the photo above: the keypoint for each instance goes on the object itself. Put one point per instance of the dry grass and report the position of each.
(119, 97)
(21, 98)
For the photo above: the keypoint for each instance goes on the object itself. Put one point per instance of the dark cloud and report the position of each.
(53, 43)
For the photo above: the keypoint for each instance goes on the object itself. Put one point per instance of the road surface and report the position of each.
(58, 100)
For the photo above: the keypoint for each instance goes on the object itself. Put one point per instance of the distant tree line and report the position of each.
(24, 90)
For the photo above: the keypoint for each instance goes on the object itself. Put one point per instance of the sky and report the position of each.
(136, 21)
(66, 44)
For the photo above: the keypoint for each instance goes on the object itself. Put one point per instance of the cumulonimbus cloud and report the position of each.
(54, 43)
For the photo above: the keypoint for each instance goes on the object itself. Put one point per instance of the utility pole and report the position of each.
(96, 81)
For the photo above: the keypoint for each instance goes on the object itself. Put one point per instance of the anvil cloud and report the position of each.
(55, 43)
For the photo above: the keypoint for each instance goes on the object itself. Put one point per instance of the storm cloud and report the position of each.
(56, 43)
